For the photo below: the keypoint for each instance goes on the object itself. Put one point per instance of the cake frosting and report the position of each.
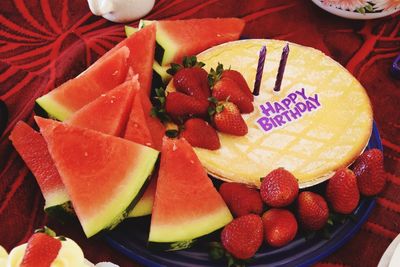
(319, 121)
(70, 255)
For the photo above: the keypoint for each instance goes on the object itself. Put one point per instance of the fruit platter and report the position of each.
(187, 144)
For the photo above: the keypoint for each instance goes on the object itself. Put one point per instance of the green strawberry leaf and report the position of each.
(174, 69)
(187, 62)
(46, 230)
(215, 75)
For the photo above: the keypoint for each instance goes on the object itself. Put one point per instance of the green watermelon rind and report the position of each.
(160, 75)
(166, 48)
(142, 208)
(56, 198)
(161, 72)
(174, 237)
(130, 30)
(53, 108)
(123, 202)
(63, 212)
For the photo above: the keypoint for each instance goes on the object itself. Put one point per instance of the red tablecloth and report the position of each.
(43, 43)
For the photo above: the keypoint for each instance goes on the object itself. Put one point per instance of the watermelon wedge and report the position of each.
(32, 148)
(186, 204)
(143, 128)
(103, 174)
(109, 112)
(178, 38)
(160, 75)
(99, 78)
(142, 48)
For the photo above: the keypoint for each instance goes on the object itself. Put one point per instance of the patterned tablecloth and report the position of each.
(43, 43)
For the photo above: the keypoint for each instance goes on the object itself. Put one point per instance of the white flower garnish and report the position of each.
(346, 4)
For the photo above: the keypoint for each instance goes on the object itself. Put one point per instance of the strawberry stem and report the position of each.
(158, 110)
(46, 230)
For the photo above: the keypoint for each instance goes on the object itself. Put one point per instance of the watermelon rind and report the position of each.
(144, 205)
(173, 236)
(53, 108)
(57, 198)
(166, 48)
(130, 30)
(119, 206)
(63, 212)
(161, 72)
(142, 208)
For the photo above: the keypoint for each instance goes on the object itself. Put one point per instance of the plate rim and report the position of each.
(354, 15)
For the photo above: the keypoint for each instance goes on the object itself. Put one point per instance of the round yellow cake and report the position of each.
(321, 119)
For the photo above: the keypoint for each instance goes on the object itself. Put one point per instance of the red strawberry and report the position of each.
(280, 227)
(41, 250)
(178, 104)
(228, 120)
(228, 89)
(342, 191)
(200, 134)
(370, 172)
(243, 236)
(192, 81)
(279, 188)
(312, 210)
(240, 199)
(239, 79)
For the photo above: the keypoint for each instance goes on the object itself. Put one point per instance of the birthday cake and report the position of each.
(319, 121)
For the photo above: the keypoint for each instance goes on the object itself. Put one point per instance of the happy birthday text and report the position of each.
(292, 107)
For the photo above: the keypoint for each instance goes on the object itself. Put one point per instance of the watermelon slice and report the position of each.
(186, 204)
(160, 75)
(103, 174)
(109, 112)
(143, 128)
(178, 38)
(102, 76)
(33, 149)
(142, 48)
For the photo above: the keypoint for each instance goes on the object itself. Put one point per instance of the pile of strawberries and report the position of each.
(288, 210)
(205, 102)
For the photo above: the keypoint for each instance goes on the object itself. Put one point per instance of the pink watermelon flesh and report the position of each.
(136, 128)
(102, 173)
(96, 80)
(102, 76)
(186, 203)
(142, 46)
(143, 128)
(32, 147)
(109, 112)
(156, 128)
(190, 37)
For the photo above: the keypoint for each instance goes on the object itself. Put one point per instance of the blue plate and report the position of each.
(130, 238)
